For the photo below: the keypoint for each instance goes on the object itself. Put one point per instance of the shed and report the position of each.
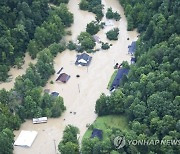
(116, 82)
(63, 77)
(39, 120)
(97, 133)
(55, 94)
(84, 59)
(96, 38)
(132, 48)
(25, 138)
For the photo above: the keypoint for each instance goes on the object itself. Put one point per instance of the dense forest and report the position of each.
(29, 25)
(150, 96)
(37, 27)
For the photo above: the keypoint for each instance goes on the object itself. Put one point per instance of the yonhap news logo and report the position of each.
(120, 142)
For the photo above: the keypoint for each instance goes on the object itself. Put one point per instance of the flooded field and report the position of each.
(80, 94)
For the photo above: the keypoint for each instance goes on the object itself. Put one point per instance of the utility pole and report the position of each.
(78, 87)
(54, 146)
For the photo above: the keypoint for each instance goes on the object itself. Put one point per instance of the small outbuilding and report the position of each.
(39, 120)
(96, 38)
(97, 133)
(55, 94)
(132, 48)
(84, 59)
(116, 82)
(63, 77)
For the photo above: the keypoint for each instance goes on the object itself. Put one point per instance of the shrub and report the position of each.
(71, 45)
(113, 34)
(86, 40)
(92, 28)
(105, 46)
(112, 15)
(109, 14)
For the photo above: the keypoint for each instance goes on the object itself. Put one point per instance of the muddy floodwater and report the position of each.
(15, 72)
(80, 94)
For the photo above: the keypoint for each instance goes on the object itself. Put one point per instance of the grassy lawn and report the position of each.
(112, 78)
(105, 122)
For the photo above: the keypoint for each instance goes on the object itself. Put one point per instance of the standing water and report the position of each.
(15, 72)
(80, 94)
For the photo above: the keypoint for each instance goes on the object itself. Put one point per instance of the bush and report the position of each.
(71, 45)
(105, 46)
(90, 51)
(112, 15)
(116, 16)
(92, 28)
(113, 34)
(86, 40)
(109, 14)
(83, 5)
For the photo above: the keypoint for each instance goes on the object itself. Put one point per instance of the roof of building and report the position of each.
(132, 47)
(55, 94)
(96, 38)
(63, 77)
(96, 133)
(133, 60)
(84, 59)
(25, 138)
(39, 120)
(121, 72)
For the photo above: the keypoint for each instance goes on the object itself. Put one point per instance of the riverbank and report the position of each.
(80, 94)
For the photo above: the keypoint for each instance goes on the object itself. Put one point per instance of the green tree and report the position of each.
(83, 5)
(92, 28)
(86, 40)
(113, 34)
(69, 143)
(6, 141)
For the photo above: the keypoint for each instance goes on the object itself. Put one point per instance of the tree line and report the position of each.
(150, 96)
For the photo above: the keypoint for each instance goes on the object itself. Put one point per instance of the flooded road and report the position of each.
(80, 94)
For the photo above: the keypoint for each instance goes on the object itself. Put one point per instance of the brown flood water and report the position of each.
(14, 72)
(80, 94)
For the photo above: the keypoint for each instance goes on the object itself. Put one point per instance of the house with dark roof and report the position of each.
(63, 77)
(97, 133)
(132, 48)
(84, 59)
(116, 82)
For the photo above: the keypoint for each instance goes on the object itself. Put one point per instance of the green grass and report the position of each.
(105, 122)
(112, 78)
